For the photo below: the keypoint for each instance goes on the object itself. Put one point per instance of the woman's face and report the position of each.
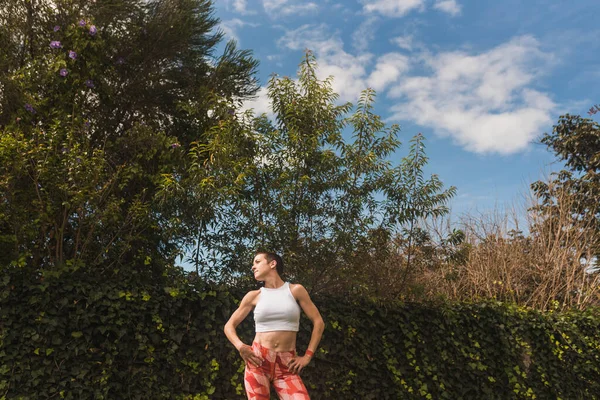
(261, 267)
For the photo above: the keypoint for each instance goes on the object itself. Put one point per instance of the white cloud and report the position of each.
(277, 8)
(271, 5)
(350, 72)
(388, 69)
(404, 42)
(399, 8)
(312, 36)
(448, 6)
(240, 6)
(276, 59)
(485, 101)
(393, 8)
(364, 34)
(231, 26)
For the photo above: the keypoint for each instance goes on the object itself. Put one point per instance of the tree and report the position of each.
(323, 201)
(576, 141)
(412, 199)
(109, 116)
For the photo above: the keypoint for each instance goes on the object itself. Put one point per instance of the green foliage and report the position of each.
(103, 107)
(66, 334)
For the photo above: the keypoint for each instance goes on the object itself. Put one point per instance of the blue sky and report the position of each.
(482, 80)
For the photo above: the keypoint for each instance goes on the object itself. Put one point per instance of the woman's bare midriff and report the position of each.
(277, 340)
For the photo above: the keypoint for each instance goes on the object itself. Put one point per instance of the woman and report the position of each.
(272, 357)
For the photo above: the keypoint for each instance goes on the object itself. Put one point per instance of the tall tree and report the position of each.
(320, 188)
(109, 113)
(411, 199)
(576, 141)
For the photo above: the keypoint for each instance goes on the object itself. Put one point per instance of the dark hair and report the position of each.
(270, 256)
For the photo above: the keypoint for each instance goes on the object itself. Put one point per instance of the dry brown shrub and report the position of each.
(548, 267)
(547, 264)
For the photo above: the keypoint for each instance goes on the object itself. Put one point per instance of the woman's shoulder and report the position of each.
(251, 296)
(296, 287)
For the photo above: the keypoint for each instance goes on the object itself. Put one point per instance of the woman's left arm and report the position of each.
(312, 312)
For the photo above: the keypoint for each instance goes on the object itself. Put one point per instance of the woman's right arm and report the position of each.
(236, 318)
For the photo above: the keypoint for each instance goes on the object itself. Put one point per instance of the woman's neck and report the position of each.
(273, 282)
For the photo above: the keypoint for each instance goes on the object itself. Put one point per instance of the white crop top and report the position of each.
(277, 310)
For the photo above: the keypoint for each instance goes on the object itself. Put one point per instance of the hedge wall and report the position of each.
(74, 335)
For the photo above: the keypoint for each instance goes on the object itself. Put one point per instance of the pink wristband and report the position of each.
(309, 353)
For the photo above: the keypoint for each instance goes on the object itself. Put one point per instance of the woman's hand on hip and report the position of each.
(297, 364)
(247, 354)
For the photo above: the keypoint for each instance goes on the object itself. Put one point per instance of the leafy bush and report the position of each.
(70, 334)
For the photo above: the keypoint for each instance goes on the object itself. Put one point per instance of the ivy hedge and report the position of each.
(74, 335)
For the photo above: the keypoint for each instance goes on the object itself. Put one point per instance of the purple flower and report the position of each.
(89, 83)
(82, 22)
(30, 108)
(63, 72)
(175, 145)
(55, 44)
(56, 28)
(93, 30)
(72, 54)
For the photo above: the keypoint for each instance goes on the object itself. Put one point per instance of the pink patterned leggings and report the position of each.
(257, 380)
